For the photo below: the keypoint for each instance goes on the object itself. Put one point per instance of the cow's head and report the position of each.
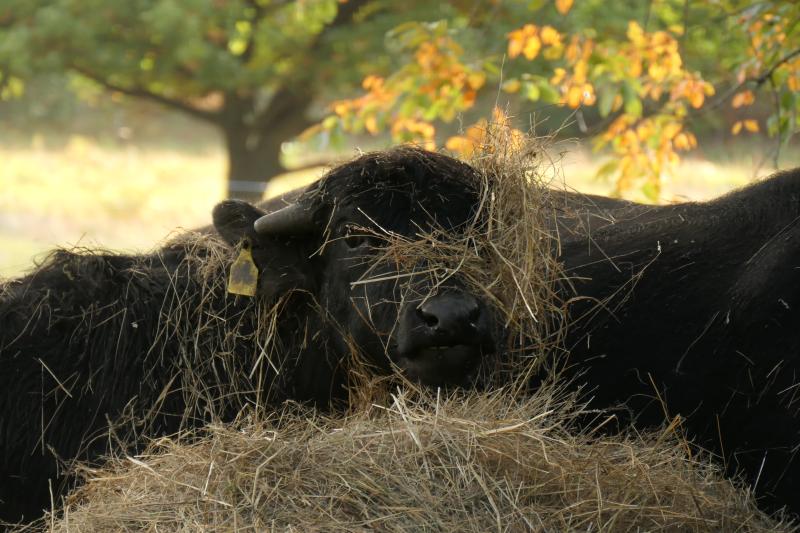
(327, 244)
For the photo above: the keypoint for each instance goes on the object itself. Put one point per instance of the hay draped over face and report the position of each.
(505, 254)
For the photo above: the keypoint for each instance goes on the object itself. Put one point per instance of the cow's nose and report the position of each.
(450, 316)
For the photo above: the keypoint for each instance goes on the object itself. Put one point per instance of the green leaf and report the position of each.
(606, 170)
(549, 93)
(330, 122)
(606, 100)
(633, 106)
(531, 91)
(651, 191)
(535, 5)
(772, 125)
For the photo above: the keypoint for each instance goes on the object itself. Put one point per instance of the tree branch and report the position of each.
(139, 92)
(760, 80)
(757, 81)
(685, 25)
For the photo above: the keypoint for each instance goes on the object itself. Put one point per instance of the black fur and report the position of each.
(699, 309)
(154, 343)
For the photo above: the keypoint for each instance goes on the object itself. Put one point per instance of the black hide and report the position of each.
(89, 337)
(694, 309)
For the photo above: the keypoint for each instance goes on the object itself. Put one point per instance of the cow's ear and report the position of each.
(282, 261)
(234, 219)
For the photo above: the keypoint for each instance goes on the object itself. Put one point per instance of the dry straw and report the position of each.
(407, 459)
(472, 462)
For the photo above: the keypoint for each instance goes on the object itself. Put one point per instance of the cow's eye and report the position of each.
(357, 238)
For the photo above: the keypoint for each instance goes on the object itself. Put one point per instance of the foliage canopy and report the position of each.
(638, 74)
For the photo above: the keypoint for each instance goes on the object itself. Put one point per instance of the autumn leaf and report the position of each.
(550, 36)
(682, 141)
(574, 97)
(751, 125)
(511, 86)
(532, 47)
(563, 6)
(743, 98)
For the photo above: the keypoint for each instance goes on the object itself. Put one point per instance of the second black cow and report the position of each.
(694, 310)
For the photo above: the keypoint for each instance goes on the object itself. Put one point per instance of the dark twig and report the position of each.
(777, 102)
(685, 24)
(785, 59)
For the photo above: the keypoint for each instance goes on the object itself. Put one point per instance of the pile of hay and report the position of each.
(472, 462)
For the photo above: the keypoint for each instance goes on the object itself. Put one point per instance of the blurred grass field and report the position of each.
(129, 197)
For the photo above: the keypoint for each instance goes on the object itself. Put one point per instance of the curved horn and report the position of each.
(294, 219)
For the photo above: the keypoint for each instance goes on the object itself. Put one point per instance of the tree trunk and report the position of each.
(252, 162)
(254, 140)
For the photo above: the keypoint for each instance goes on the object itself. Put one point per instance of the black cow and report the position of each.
(88, 338)
(694, 310)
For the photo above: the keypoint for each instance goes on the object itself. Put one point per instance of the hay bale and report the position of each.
(469, 462)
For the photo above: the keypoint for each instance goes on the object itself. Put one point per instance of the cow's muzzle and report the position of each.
(443, 339)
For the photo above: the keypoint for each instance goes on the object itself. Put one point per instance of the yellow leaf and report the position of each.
(476, 80)
(574, 96)
(737, 127)
(635, 33)
(532, 47)
(657, 72)
(371, 123)
(372, 82)
(558, 75)
(751, 125)
(743, 98)
(512, 86)
(671, 130)
(514, 44)
(563, 6)
(696, 99)
(589, 97)
(580, 71)
(682, 142)
(644, 130)
(341, 108)
(635, 67)
(550, 36)
(573, 49)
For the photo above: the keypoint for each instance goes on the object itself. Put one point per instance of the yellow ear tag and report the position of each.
(243, 277)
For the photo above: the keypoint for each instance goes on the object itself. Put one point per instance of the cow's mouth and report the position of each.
(437, 366)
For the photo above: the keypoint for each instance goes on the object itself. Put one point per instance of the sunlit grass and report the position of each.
(127, 197)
